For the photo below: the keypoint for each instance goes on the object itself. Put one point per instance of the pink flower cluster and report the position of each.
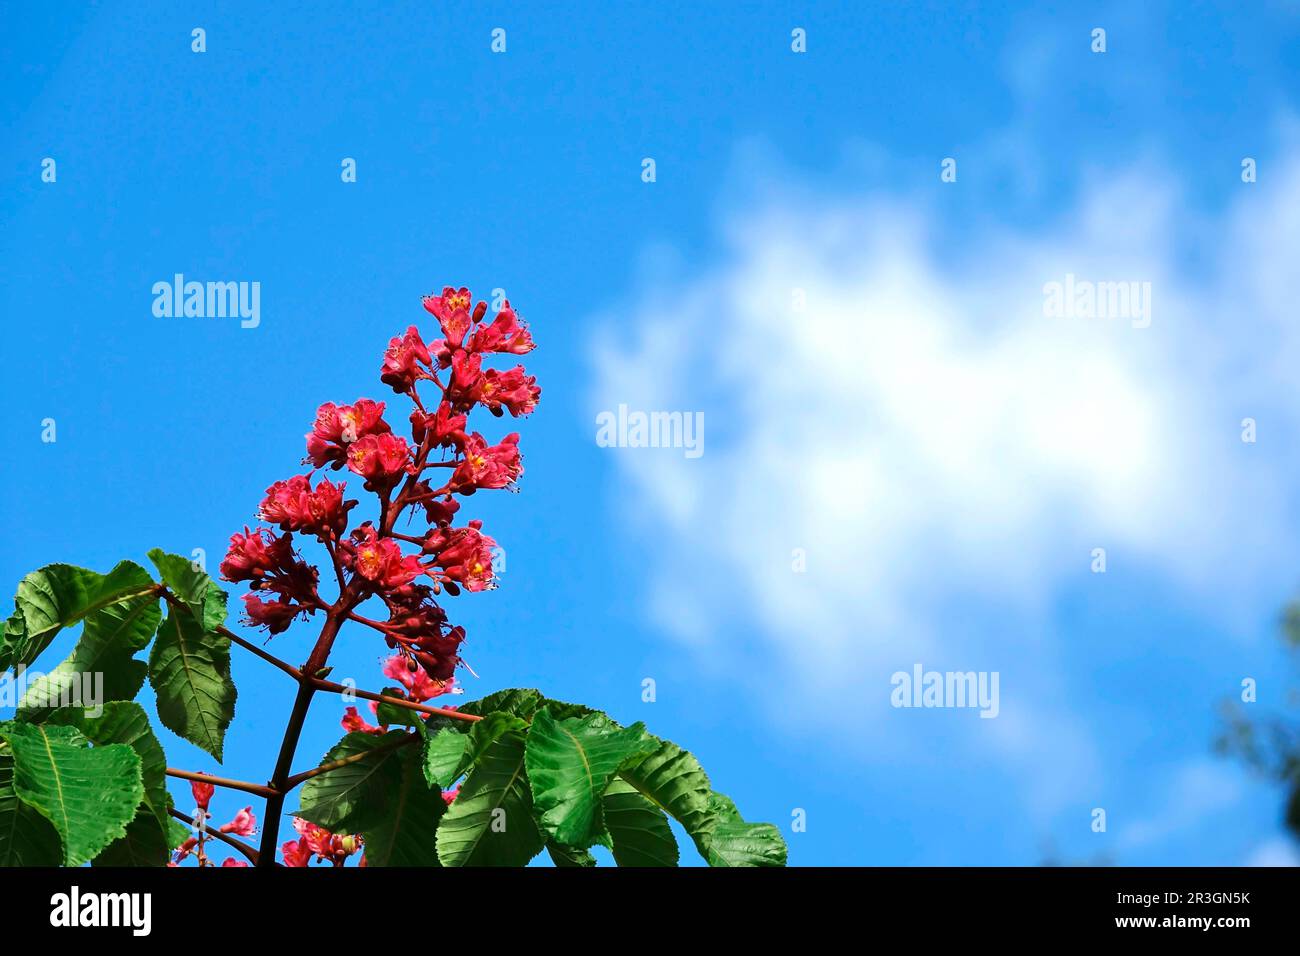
(317, 843)
(243, 824)
(445, 378)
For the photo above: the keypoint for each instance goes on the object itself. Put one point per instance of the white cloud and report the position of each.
(945, 454)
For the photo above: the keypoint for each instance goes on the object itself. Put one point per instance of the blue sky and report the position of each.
(945, 455)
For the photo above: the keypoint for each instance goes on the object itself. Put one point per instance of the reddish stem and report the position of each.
(254, 788)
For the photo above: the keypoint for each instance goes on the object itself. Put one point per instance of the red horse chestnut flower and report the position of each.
(487, 466)
(427, 477)
(275, 616)
(244, 824)
(379, 560)
(417, 682)
(338, 426)
(443, 429)
(452, 310)
(505, 334)
(353, 722)
(295, 506)
(464, 554)
(317, 842)
(512, 390)
(255, 554)
(202, 793)
(380, 459)
(401, 368)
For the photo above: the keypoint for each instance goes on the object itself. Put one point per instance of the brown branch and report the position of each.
(275, 803)
(297, 717)
(298, 778)
(333, 688)
(239, 845)
(253, 788)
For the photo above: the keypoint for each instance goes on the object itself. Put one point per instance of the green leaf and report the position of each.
(189, 669)
(522, 702)
(673, 780)
(57, 596)
(109, 641)
(393, 716)
(734, 842)
(638, 830)
(177, 833)
(206, 601)
(562, 855)
(26, 837)
(89, 794)
(490, 823)
(125, 722)
(355, 797)
(444, 755)
(570, 762)
(144, 844)
(407, 834)
(561, 710)
(442, 773)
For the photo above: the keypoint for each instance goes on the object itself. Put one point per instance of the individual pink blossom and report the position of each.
(505, 334)
(244, 824)
(378, 560)
(443, 428)
(488, 466)
(319, 842)
(202, 793)
(231, 861)
(295, 853)
(466, 380)
(256, 554)
(380, 459)
(295, 506)
(338, 426)
(402, 360)
(275, 616)
(419, 686)
(464, 554)
(353, 722)
(452, 309)
(512, 390)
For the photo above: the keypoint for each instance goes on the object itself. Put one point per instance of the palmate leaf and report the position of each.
(88, 794)
(357, 796)
(407, 834)
(145, 843)
(201, 595)
(490, 823)
(639, 833)
(562, 855)
(57, 596)
(444, 756)
(518, 701)
(189, 670)
(26, 837)
(673, 780)
(734, 842)
(109, 641)
(390, 715)
(149, 833)
(451, 752)
(570, 763)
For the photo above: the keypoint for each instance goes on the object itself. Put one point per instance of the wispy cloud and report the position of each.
(886, 396)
